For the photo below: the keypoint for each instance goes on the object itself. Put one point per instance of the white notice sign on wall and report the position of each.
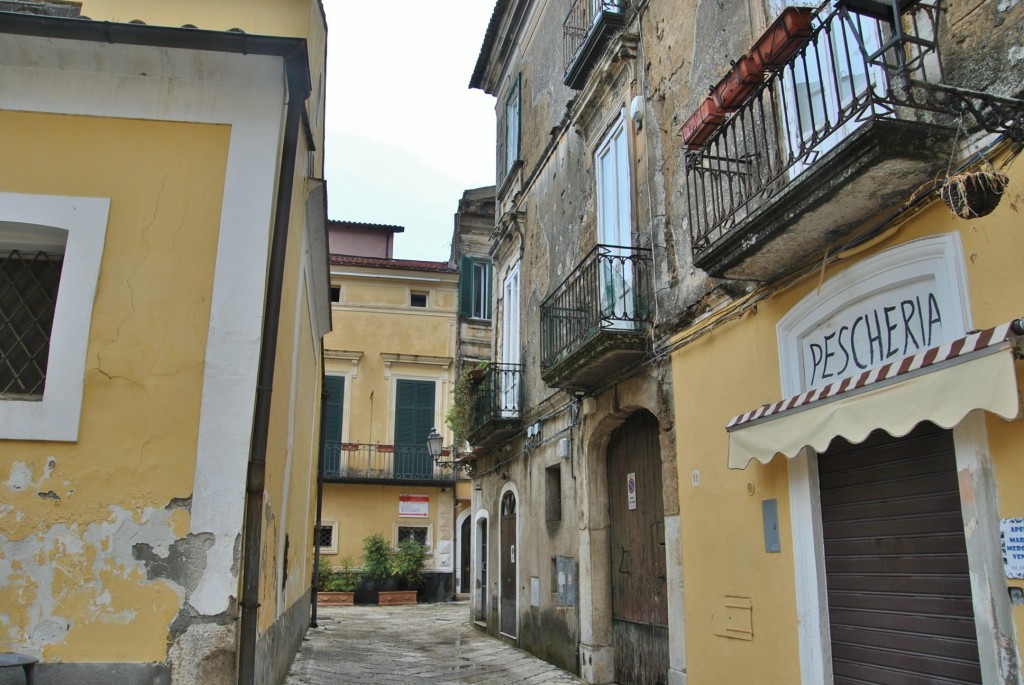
(414, 506)
(631, 489)
(1011, 535)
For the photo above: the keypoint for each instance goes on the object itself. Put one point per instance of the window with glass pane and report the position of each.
(512, 120)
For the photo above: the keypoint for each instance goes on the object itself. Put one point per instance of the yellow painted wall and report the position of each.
(734, 369)
(143, 381)
(292, 444)
(362, 510)
(259, 17)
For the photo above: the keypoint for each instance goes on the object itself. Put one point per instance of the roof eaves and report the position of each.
(477, 79)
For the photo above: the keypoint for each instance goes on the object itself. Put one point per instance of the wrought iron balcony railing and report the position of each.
(607, 294)
(370, 463)
(848, 73)
(586, 28)
(498, 405)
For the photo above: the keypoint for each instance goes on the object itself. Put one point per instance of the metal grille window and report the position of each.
(28, 298)
(325, 536)
(417, 533)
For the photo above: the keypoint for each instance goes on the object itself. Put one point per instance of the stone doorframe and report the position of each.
(600, 417)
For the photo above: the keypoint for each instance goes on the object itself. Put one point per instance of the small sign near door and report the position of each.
(631, 490)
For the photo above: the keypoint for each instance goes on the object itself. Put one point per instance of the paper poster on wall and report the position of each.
(631, 490)
(414, 506)
(1011, 535)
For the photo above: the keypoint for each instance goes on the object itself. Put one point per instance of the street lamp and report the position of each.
(436, 450)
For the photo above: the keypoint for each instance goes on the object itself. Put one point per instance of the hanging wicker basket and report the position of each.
(973, 194)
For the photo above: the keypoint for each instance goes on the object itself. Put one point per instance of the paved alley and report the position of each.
(426, 643)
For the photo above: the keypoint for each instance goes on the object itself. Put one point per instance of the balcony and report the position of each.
(833, 138)
(352, 462)
(585, 32)
(498, 409)
(595, 323)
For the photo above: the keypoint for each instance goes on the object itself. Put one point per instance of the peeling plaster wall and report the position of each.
(96, 556)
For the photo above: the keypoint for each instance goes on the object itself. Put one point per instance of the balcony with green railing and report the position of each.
(353, 462)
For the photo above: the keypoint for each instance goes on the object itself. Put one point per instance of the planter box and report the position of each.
(738, 85)
(396, 597)
(702, 124)
(786, 35)
(338, 599)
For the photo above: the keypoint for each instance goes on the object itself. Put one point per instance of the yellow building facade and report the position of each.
(165, 179)
(389, 365)
(834, 503)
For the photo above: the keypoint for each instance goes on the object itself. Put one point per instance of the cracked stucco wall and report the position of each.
(98, 559)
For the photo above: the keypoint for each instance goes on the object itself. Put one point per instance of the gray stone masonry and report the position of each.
(425, 643)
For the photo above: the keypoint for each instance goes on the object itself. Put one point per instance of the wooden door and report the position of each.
(637, 551)
(508, 565)
(899, 590)
(414, 418)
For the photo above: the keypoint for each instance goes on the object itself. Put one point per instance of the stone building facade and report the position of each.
(663, 260)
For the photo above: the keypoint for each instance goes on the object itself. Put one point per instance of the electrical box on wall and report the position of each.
(770, 514)
(563, 448)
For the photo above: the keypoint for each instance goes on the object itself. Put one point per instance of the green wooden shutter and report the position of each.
(335, 386)
(414, 417)
(465, 286)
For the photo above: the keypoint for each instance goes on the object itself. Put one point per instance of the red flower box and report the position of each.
(787, 34)
(702, 124)
(738, 85)
(350, 447)
(385, 448)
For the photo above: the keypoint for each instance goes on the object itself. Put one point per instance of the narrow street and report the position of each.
(425, 643)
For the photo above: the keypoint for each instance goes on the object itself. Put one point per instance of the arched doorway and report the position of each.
(637, 553)
(507, 588)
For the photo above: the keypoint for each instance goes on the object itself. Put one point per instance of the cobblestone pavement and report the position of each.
(425, 643)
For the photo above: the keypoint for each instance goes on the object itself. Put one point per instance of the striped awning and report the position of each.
(942, 384)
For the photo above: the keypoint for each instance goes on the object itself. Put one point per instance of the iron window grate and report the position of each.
(28, 297)
(325, 536)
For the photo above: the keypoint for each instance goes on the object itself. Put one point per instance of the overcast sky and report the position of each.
(405, 135)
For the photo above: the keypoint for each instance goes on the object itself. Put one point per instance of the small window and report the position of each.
(553, 492)
(335, 294)
(326, 537)
(28, 300)
(475, 288)
(418, 299)
(417, 533)
(512, 120)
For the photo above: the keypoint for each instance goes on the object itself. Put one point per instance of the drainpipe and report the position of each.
(324, 395)
(298, 91)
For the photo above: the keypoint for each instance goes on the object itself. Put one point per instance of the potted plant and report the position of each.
(973, 194)
(340, 587)
(376, 560)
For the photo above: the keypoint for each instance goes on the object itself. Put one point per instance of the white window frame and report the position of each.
(333, 548)
(513, 131)
(511, 340)
(57, 416)
(481, 290)
(403, 524)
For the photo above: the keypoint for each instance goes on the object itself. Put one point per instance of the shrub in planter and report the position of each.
(376, 558)
(408, 563)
